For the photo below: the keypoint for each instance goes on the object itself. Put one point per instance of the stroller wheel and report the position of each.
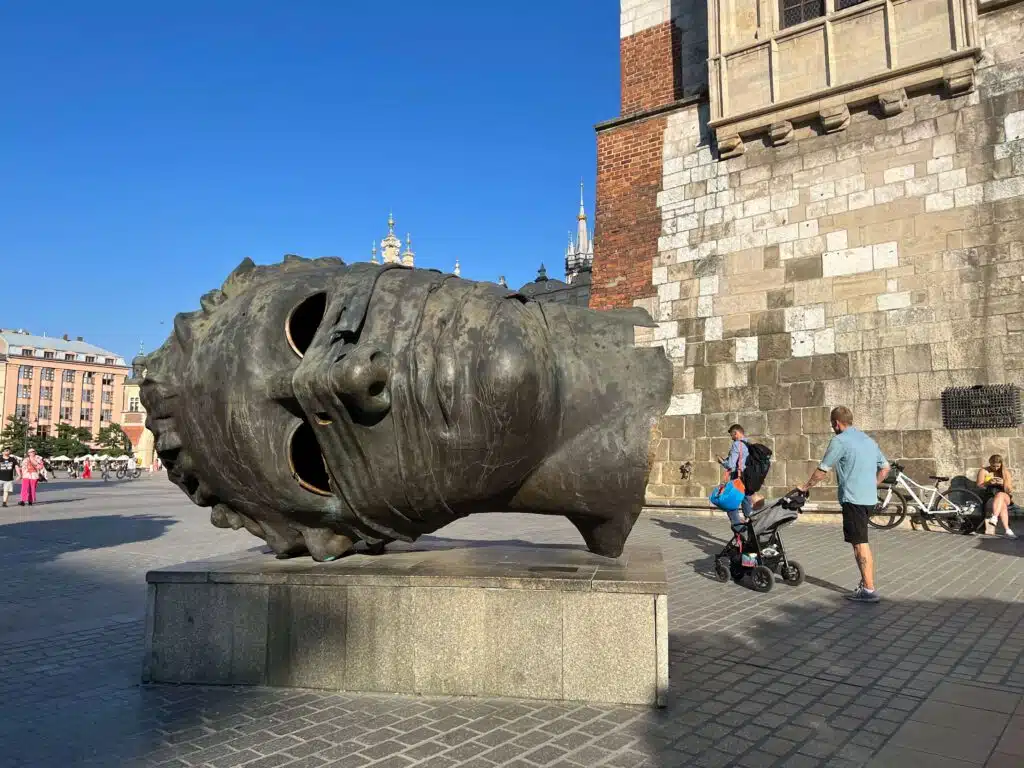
(762, 579)
(794, 574)
(722, 572)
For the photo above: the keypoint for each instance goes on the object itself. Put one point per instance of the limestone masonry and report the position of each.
(820, 207)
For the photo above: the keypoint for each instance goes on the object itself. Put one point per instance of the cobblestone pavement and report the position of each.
(797, 677)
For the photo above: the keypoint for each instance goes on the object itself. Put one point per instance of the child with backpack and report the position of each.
(749, 463)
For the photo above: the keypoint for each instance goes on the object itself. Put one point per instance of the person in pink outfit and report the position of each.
(31, 468)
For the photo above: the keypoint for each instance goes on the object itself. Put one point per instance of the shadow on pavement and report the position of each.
(58, 536)
(826, 683)
(711, 545)
(813, 684)
(1002, 545)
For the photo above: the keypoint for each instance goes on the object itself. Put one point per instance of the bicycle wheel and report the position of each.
(890, 510)
(959, 511)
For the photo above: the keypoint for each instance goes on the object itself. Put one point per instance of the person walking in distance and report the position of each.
(8, 469)
(31, 467)
(860, 466)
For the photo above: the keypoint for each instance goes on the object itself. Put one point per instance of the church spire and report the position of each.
(408, 256)
(582, 238)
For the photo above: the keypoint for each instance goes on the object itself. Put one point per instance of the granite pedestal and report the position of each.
(492, 620)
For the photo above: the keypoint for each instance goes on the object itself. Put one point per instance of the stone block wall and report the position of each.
(871, 267)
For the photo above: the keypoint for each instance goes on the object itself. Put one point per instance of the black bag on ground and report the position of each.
(759, 461)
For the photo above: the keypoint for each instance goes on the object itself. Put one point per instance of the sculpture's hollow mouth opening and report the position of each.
(307, 460)
(303, 322)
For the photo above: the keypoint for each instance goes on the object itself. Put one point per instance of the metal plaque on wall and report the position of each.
(983, 406)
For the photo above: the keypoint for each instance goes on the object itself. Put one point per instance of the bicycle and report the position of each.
(958, 510)
(123, 473)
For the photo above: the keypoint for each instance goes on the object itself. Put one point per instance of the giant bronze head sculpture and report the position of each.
(318, 405)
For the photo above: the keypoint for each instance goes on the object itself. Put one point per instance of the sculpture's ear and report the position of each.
(633, 316)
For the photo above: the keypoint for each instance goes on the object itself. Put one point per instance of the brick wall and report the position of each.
(647, 62)
(872, 267)
(627, 221)
(663, 51)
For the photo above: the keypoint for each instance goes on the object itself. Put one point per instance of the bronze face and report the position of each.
(318, 405)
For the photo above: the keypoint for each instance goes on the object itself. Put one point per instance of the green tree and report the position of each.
(112, 439)
(17, 436)
(71, 441)
(13, 434)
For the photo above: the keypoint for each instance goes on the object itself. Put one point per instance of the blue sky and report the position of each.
(146, 148)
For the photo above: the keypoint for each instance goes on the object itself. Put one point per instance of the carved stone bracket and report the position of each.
(780, 133)
(834, 119)
(893, 102)
(730, 145)
(959, 83)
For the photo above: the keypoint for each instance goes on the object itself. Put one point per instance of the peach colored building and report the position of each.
(47, 380)
(133, 414)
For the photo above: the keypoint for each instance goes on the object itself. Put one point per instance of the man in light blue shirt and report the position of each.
(860, 466)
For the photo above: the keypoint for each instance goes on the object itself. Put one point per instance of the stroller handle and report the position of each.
(795, 500)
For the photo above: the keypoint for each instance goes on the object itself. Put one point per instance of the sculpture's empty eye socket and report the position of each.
(307, 461)
(303, 322)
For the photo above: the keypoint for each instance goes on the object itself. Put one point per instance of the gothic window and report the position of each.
(798, 11)
(842, 5)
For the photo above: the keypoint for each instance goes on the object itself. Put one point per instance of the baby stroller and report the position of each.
(755, 553)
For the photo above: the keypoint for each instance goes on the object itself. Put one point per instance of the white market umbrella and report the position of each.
(60, 458)
(122, 457)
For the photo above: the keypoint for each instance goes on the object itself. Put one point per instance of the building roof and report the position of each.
(12, 338)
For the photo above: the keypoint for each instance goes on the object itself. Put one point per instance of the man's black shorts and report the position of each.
(855, 522)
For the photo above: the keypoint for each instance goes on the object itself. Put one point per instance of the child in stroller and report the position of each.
(755, 552)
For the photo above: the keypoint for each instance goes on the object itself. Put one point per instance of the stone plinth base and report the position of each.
(488, 620)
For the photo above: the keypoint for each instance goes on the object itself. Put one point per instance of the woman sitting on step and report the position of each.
(996, 483)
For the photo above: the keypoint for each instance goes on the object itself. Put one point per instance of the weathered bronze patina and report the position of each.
(318, 405)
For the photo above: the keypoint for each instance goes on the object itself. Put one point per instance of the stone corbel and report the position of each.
(780, 133)
(730, 145)
(959, 83)
(893, 102)
(834, 119)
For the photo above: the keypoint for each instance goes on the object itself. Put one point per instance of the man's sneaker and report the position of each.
(862, 595)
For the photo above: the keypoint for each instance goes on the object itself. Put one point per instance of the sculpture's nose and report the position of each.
(360, 379)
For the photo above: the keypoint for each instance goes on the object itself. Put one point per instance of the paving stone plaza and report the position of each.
(933, 675)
